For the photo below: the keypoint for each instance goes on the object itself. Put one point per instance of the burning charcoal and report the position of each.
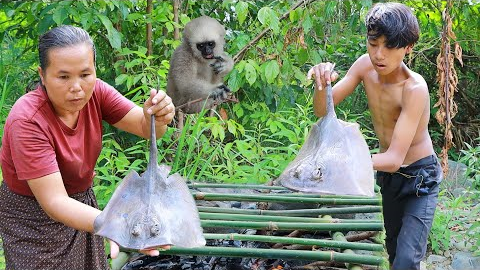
(236, 204)
(153, 263)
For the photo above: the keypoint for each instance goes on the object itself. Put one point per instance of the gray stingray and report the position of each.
(151, 210)
(333, 160)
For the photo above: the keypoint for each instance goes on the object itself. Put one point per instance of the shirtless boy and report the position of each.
(407, 168)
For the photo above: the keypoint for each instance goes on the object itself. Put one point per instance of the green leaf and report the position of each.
(264, 15)
(142, 51)
(134, 16)
(10, 12)
(133, 63)
(231, 127)
(218, 132)
(250, 73)
(227, 148)
(184, 19)
(138, 77)
(293, 15)
(300, 75)
(302, 56)
(237, 108)
(241, 40)
(243, 147)
(474, 226)
(169, 26)
(307, 24)
(120, 79)
(86, 21)
(234, 80)
(272, 70)
(273, 126)
(274, 22)
(59, 15)
(114, 37)
(242, 11)
(292, 137)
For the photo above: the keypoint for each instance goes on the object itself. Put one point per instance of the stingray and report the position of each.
(151, 210)
(333, 160)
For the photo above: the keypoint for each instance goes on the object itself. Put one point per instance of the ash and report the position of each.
(171, 262)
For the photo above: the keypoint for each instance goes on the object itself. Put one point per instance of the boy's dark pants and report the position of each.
(409, 199)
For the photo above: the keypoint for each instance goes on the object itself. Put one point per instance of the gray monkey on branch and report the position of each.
(198, 66)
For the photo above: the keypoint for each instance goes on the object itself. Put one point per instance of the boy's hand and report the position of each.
(323, 74)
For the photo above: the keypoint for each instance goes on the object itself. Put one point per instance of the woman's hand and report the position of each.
(115, 249)
(159, 104)
(323, 74)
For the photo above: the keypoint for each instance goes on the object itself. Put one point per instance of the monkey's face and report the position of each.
(206, 49)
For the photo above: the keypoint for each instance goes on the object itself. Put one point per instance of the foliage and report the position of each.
(465, 24)
(213, 150)
(474, 233)
(238, 150)
(272, 71)
(266, 129)
(471, 158)
(456, 219)
(445, 219)
(15, 75)
(453, 213)
(113, 165)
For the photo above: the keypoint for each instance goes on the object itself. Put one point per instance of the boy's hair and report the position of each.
(395, 21)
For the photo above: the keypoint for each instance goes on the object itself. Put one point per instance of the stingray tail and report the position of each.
(153, 144)
(330, 105)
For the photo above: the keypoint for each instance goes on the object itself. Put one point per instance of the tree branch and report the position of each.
(240, 54)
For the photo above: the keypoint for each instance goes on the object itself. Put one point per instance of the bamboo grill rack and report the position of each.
(341, 251)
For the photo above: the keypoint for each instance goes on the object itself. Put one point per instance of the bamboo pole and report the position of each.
(262, 198)
(292, 226)
(310, 195)
(338, 236)
(296, 212)
(275, 254)
(235, 186)
(261, 187)
(240, 217)
(296, 240)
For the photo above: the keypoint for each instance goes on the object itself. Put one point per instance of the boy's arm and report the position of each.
(415, 99)
(341, 90)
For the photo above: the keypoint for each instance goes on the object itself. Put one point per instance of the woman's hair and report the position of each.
(61, 37)
(395, 21)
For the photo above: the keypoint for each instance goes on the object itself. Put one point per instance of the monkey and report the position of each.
(198, 66)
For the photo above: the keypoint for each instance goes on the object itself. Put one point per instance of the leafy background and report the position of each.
(263, 132)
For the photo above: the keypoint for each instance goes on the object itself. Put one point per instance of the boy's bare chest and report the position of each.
(384, 100)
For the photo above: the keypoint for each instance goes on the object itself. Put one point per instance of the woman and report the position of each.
(52, 139)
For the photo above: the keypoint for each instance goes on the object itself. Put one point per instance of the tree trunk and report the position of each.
(149, 28)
